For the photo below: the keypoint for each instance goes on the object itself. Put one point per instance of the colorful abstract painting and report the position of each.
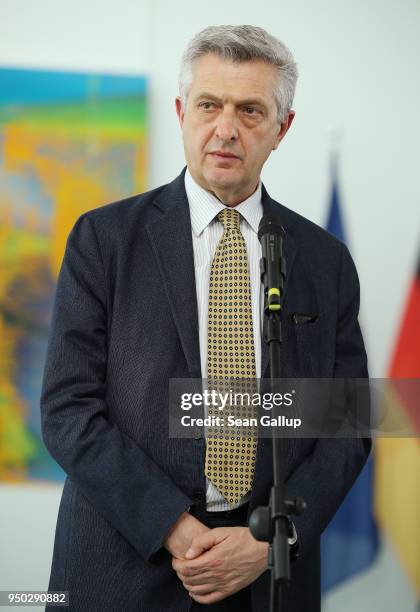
(69, 142)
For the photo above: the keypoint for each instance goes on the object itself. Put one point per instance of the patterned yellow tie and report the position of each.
(231, 452)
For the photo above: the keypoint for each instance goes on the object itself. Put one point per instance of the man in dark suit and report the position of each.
(144, 524)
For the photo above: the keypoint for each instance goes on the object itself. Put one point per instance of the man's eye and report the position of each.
(206, 105)
(250, 110)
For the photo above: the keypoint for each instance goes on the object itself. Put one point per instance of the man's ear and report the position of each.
(284, 126)
(179, 110)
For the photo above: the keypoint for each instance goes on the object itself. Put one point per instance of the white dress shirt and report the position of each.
(206, 234)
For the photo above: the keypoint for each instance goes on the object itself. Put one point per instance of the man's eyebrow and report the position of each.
(251, 102)
(205, 94)
(244, 102)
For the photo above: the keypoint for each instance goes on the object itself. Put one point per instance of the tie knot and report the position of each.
(230, 218)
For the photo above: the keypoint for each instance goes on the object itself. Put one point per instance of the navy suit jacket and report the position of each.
(125, 322)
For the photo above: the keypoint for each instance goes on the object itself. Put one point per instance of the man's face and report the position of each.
(230, 125)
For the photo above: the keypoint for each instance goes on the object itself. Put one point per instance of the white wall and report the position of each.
(358, 75)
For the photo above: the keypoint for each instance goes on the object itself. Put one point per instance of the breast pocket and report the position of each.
(309, 347)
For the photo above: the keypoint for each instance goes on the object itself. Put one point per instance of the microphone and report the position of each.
(272, 263)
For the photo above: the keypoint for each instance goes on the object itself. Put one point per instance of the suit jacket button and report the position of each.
(197, 435)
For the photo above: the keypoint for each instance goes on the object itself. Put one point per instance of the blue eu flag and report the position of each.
(350, 542)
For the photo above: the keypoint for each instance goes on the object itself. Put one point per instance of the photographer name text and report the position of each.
(233, 421)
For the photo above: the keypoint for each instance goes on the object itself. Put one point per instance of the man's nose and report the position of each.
(226, 126)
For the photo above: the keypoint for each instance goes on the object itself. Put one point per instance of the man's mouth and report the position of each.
(224, 155)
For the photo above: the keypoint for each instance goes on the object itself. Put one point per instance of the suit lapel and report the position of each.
(170, 235)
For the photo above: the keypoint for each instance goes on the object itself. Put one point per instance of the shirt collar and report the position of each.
(204, 206)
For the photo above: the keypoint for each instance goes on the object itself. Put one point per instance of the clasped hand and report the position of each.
(220, 562)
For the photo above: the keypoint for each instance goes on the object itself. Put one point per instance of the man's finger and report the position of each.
(194, 579)
(204, 541)
(200, 589)
(210, 598)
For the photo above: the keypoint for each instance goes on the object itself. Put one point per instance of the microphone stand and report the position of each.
(271, 523)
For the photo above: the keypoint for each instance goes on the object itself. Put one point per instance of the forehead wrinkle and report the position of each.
(209, 67)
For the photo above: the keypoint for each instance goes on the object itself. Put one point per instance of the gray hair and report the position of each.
(241, 44)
